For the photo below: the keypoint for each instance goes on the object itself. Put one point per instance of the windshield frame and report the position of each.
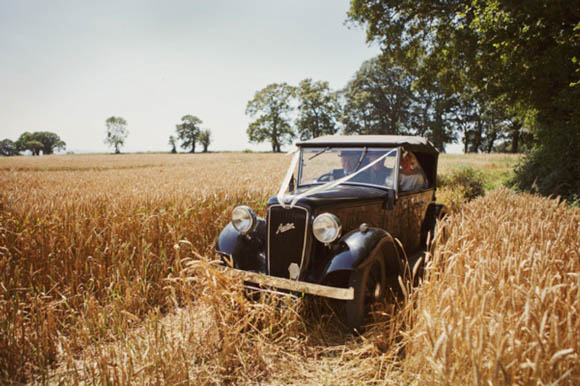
(363, 148)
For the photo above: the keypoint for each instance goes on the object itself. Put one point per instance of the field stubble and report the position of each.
(106, 277)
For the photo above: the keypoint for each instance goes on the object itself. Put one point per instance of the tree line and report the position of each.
(383, 98)
(37, 142)
(45, 142)
(188, 132)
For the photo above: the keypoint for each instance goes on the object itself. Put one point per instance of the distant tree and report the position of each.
(271, 105)
(357, 112)
(8, 148)
(34, 146)
(519, 137)
(205, 139)
(28, 142)
(22, 143)
(431, 115)
(173, 143)
(318, 109)
(490, 125)
(188, 131)
(378, 99)
(116, 132)
(49, 141)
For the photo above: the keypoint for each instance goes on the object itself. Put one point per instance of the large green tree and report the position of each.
(382, 98)
(430, 116)
(489, 126)
(39, 141)
(271, 107)
(524, 52)
(318, 109)
(51, 142)
(188, 131)
(116, 132)
(378, 99)
(28, 141)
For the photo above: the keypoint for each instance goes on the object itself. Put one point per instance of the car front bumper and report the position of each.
(261, 279)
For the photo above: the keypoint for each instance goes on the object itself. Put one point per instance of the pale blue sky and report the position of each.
(66, 66)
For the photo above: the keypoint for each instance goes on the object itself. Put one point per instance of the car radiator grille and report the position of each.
(287, 236)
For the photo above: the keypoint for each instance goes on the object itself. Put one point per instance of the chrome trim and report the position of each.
(291, 285)
(305, 234)
(300, 165)
(338, 226)
(253, 218)
(396, 170)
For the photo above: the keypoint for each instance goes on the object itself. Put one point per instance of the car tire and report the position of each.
(369, 287)
(435, 212)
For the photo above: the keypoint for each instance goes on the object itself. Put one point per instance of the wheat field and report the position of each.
(106, 276)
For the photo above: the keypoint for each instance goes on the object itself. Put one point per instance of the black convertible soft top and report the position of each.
(412, 143)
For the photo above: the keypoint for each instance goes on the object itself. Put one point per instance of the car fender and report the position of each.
(356, 249)
(248, 252)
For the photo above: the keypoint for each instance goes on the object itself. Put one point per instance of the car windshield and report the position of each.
(363, 165)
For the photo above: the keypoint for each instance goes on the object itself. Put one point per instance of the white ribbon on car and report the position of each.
(286, 180)
(320, 188)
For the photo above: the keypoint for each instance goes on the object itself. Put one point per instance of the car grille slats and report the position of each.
(287, 237)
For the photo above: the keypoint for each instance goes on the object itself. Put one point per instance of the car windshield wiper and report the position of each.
(319, 153)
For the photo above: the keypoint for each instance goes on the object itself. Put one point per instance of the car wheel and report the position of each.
(434, 213)
(369, 287)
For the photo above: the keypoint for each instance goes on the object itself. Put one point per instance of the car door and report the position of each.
(411, 209)
(405, 219)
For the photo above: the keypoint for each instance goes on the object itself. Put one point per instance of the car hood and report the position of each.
(343, 194)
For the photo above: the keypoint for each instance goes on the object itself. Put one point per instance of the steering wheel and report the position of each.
(325, 177)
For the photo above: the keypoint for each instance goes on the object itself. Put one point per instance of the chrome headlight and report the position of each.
(326, 228)
(243, 219)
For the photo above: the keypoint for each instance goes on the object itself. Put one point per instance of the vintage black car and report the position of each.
(352, 216)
